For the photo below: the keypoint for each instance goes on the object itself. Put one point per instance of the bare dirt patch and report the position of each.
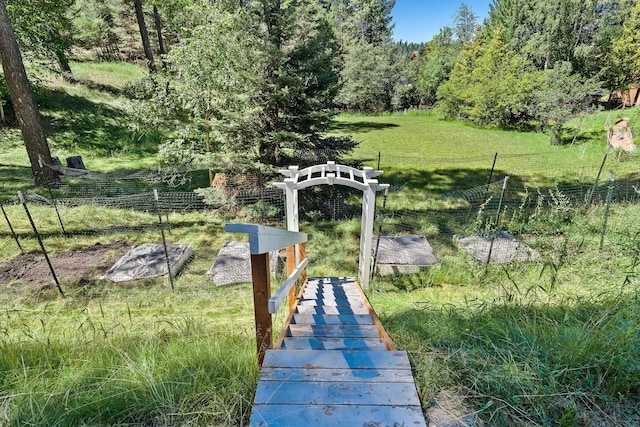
(83, 267)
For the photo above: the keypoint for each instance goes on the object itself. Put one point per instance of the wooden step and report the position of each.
(336, 366)
(331, 302)
(332, 310)
(377, 360)
(333, 331)
(336, 388)
(336, 416)
(339, 319)
(369, 392)
(323, 343)
(336, 375)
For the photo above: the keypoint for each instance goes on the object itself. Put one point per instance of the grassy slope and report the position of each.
(553, 343)
(550, 343)
(87, 118)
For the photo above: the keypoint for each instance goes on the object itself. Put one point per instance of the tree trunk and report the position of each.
(65, 68)
(144, 35)
(24, 104)
(158, 24)
(556, 134)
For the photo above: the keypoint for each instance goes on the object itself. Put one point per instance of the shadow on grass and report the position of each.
(14, 178)
(360, 127)
(113, 90)
(444, 181)
(120, 182)
(77, 123)
(582, 138)
(111, 230)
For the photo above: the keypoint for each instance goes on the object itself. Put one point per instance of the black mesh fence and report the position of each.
(441, 198)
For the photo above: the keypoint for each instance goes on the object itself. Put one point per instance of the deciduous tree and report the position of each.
(438, 58)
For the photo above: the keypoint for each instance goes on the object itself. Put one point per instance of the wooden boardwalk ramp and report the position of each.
(334, 365)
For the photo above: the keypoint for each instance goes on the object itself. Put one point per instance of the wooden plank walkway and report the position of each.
(334, 365)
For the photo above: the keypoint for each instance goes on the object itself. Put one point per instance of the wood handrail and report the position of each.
(262, 240)
(281, 294)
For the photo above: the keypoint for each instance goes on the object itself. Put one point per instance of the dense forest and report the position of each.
(244, 83)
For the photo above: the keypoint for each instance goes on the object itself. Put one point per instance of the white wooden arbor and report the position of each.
(333, 174)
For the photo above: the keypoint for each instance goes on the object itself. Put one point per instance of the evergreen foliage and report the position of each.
(563, 95)
(367, 79)
(535, 61)
(439, 56)
(298, 82)
(490, 85)
(257, 84)
(625, 59)
(369, 72)
(261, 79)
(95, 23)
(464, 21)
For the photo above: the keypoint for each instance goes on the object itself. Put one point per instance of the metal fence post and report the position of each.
(495, 227)
(44, 251)
(164, 240)
(13, 233)
(607, 206)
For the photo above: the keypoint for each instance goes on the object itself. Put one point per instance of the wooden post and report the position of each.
(291, 265)
(261, 276)
(303, 255)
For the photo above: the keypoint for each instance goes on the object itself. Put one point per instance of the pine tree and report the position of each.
(299, 81)
(24, 104)
(625, 59)
(259, 83)
(369, 75)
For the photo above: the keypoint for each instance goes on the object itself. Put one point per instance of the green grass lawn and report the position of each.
(553, 342)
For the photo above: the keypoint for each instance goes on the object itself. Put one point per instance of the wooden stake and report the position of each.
(261, 277)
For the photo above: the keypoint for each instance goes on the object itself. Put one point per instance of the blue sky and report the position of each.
(420, 20)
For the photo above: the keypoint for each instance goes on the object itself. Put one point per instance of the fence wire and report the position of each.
(443, 198)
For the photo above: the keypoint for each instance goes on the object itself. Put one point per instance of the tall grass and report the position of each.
(178, 371)
(547, 343)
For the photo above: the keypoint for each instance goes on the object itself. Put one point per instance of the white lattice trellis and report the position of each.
(333, 174)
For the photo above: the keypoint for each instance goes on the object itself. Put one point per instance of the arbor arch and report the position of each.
(334, 174)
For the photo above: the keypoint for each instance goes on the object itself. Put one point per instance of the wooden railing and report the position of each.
(263, 240)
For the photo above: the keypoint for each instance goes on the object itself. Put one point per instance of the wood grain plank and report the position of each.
(336, 393)
(315, 309)
(334, 331)
(331, 291)
(336, 359)
(331, 303)
(308, 343)
(354, 300)
(343, 319)
(336, 416)
(336, 375)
